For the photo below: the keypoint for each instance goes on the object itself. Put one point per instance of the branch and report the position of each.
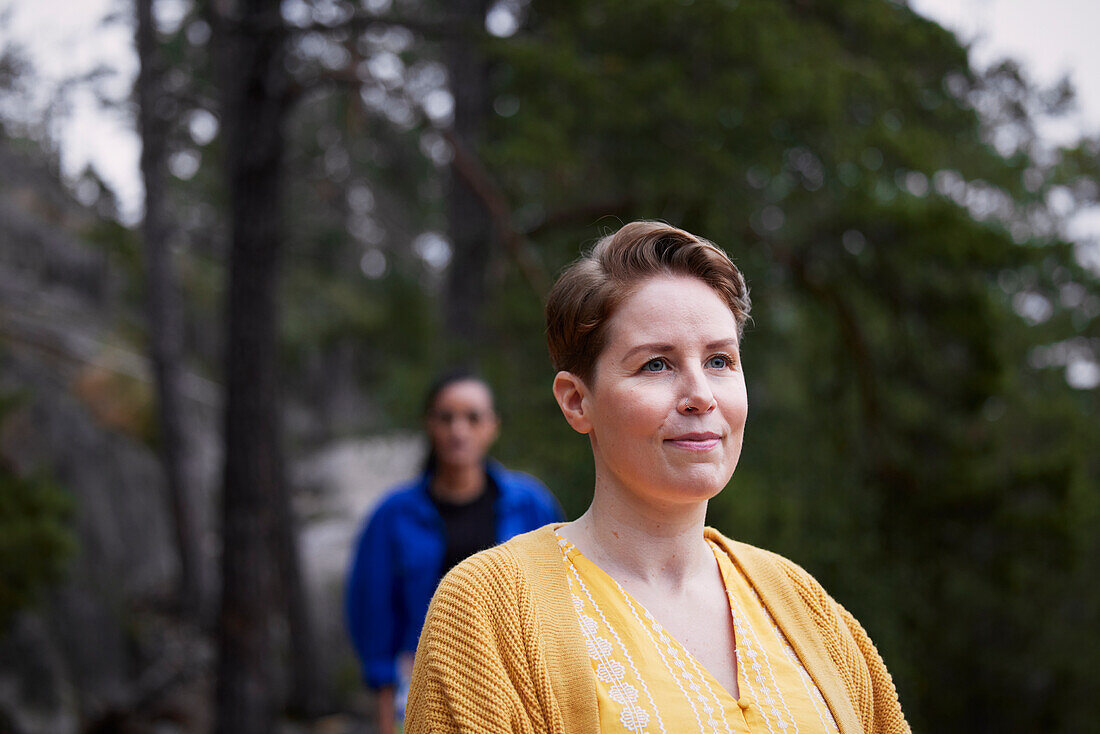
(467, 166)
(470, 169)
(884, 468)
(850, 331)
(583, 214)
(359, 22)
(345, 77)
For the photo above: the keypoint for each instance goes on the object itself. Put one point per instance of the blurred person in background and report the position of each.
(636, 617)
(462, 503)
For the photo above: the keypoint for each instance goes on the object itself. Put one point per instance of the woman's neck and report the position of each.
(633, 540)
(458, 483)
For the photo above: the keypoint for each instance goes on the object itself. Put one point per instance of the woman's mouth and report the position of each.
(695, 441)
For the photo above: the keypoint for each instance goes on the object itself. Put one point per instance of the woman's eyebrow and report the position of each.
(652, 347)
(662, 348)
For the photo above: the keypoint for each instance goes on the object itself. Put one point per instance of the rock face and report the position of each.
(101, 652)
(73, 656)
(338, 486)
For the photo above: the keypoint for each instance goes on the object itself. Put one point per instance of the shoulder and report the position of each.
(484, 589)
(501, 575)
(391, 513)
(817, 624)
(517, 481)
(522, 489)
(792, 595)
(501, 650)
(768, 567)
(496, 566)
(508, 562)
(401, 498)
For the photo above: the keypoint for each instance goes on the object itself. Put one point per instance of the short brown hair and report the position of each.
(590, 290)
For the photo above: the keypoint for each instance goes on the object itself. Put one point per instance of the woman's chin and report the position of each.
(459, 461)
(694, 487)
(670, 484)
(704, 484)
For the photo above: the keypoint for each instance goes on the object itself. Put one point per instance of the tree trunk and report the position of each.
(165, 313)
(259, 534)
(253, 81)
(306, 697)
(468, 219)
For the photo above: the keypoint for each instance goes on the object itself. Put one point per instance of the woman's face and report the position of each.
(461, 424)
(665, 408)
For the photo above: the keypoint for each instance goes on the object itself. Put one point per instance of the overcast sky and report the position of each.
(69, 37)
(1053, 39)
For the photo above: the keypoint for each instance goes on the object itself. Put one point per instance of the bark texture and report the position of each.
(165, 312)
(468, 219)
(253, 80)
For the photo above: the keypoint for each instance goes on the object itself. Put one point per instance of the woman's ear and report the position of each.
(571, 393)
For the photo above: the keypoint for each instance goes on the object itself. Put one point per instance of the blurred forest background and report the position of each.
(344, 198)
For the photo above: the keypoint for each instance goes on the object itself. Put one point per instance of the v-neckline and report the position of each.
(570, 548)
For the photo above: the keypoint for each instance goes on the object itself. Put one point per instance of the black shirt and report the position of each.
(468, 527)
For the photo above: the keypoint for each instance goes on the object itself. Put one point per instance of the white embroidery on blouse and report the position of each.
(824, 715)
(755, 666)
(752, 670)
(633, 717)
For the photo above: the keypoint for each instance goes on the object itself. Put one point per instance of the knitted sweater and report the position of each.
(502, 651)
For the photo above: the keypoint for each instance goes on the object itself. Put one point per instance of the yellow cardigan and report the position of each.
(502, 650)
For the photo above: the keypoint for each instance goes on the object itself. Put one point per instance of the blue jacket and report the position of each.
(399, 558)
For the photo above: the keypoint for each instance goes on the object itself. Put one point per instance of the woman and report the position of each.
(462, 503)
(636, 617)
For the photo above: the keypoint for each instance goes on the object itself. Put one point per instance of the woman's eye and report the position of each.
(654, 365)
(718, 362)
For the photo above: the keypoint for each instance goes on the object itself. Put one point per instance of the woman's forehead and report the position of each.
(472, 391)
(672, 309)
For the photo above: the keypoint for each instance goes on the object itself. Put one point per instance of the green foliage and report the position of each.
(905, 442)
(36, 539)
(912, 437)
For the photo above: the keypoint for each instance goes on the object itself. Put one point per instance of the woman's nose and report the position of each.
(697, 397)
(460, 426)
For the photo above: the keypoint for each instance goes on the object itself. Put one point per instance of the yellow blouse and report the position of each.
(646, 681)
